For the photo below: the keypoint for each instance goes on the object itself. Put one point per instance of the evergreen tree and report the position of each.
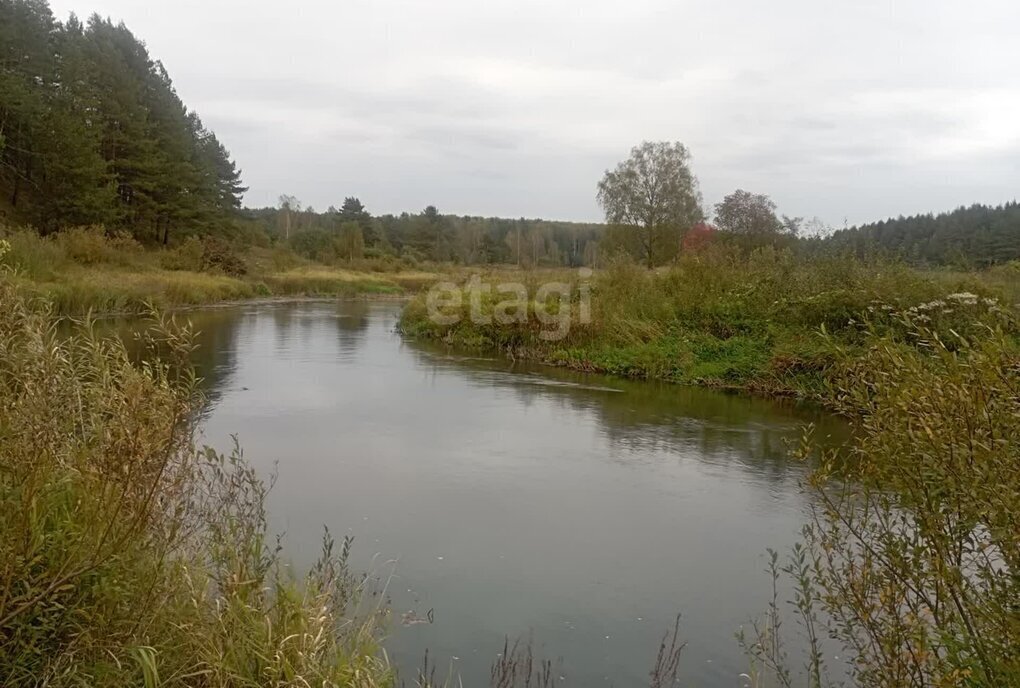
(353, 211)
(93, 132)
(966, 237)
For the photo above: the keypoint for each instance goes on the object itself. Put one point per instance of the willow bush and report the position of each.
(129, 556)
(919, 551)
(911, 562)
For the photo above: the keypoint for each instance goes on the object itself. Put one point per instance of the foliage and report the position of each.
(345, 243)
(430, 236)
(910, 562)
(218, 255)
(187, 256)
(93, 245)
(128, 555)
(742, 212)
(128, 291)
(206, 254)
(46, 258)
(655, 195)
(721, 317)
(970, 237)
(86, 269)
(95, 133)
(917, 553)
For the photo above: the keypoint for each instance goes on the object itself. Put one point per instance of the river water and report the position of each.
(580, 512)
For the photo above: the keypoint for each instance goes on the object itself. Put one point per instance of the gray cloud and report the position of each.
(841, 110)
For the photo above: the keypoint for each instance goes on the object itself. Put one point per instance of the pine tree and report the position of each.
(93, 132)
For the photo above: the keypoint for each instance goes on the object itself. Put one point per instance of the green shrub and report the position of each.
(283, 258)
(411, 256)
(205, 254)
(92, 245)
(218, 255)
(187, 256)
(911, 559)
(83, 245)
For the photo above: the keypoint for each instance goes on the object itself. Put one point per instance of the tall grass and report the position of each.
(130, 557)
(721, 317)
(79, 270)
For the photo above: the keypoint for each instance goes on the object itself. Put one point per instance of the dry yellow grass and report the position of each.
(96, 273)
(109, 290)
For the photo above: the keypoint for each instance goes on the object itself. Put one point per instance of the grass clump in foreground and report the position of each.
(130, 557)
(720, 318)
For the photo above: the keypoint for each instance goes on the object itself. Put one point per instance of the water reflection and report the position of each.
(215, 338)
(712, 426)
(582, 509)
(215, 357)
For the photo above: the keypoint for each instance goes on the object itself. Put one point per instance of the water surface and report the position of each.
(581, 511)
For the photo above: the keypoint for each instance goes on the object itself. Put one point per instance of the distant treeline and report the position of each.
(351, 232)
(967, 237)
(92, 132)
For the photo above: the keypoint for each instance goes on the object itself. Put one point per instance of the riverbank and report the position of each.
(83, 271)
(769, 322)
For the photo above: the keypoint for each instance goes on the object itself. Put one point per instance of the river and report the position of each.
(582, 512)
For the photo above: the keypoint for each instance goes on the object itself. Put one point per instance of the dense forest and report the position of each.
(967, 237)
(92, 132)
(352, 232)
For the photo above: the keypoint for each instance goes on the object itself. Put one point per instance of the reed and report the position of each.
(128, 555)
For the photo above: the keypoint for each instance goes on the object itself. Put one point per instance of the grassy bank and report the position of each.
(768, 321)
(81, 270)
(130, 557)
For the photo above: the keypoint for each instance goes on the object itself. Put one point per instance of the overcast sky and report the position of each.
(852, 110)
